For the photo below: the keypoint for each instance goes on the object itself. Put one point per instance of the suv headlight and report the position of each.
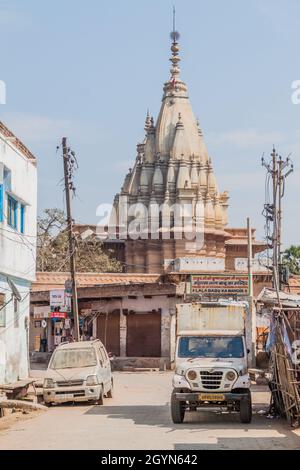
(92, 380)
(191, 375)
(231, 376)
(48, 383)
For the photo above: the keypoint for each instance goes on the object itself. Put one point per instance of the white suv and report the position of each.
(78, 371)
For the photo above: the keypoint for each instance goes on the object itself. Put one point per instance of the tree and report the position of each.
(53, 247)
(291, 259)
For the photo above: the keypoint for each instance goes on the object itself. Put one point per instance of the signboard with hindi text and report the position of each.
(224, 284)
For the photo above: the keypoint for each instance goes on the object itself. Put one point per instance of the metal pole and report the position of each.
(71, 239)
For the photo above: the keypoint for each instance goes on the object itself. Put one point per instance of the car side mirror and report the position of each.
(248, 351)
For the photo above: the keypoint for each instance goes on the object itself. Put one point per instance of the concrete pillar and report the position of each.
(94, 331)
(165, 332)
(250, 341)
(123, 333)
(172, 333)
(49, 334)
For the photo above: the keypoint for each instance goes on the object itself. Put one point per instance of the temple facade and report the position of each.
(176, 217)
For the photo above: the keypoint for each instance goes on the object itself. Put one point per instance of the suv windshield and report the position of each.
(211, 346)
(71, 358)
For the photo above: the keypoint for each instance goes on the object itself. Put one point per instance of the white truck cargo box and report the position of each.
(196, 316)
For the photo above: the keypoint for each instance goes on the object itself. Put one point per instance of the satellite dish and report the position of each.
(14, 290)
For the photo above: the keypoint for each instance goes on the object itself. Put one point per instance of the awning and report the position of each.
(269, 296)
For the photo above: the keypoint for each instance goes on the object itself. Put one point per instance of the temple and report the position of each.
(178, 216)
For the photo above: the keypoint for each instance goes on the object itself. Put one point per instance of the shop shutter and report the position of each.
(108, 331)
(144, 334)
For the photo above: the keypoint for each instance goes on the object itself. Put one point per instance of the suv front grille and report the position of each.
(70, 383)
(211, 380)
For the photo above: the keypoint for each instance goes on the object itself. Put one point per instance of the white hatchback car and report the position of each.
(78, 371)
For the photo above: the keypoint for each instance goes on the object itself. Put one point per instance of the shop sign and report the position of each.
(59, 315)
(60, 299)
(57, 298)
(41, 312)
(224, 284)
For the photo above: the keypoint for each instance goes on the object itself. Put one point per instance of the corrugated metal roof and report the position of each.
(269, 296)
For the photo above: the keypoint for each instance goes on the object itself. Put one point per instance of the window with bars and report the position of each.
(12, 212)
(22, 218)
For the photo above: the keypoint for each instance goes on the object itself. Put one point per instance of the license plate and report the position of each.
(66, 396)
(211, 397)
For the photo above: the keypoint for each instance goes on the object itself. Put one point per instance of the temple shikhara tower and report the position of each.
(173, 169)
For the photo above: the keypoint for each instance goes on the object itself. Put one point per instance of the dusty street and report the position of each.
(138, 417)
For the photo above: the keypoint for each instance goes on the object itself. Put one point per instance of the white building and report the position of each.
(18, 206)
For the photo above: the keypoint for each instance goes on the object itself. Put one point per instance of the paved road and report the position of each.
(138, 417)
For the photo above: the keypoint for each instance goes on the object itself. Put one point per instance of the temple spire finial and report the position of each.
(147, 121)
(175, 59)
(174, 18)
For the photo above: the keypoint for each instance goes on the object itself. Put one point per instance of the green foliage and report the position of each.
(291, 258)
(53, 247)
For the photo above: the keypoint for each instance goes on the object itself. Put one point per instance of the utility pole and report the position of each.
(250, 293)
(273, 212)
(250, 260)
(69, 160)
(275, 216)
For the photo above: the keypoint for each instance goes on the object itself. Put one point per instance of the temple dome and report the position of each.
(172, 169)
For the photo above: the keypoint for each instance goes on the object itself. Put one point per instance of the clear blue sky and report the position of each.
(89, 70)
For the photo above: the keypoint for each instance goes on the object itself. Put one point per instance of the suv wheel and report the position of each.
(177, 410)
(246, 409)
(100, 399)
